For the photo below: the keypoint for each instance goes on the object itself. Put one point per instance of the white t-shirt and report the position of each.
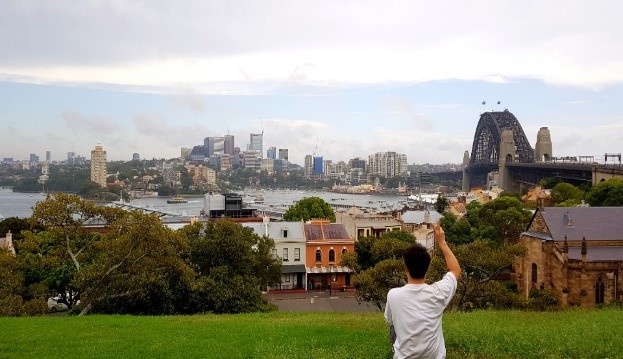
(415, 311)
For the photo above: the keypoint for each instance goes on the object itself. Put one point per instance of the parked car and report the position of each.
(55, 306)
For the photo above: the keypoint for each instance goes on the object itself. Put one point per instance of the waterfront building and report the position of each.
(201, 174)
(98, 166)
(267, 165)
(387, 164)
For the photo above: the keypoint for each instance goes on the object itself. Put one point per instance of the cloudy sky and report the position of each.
(338, 78)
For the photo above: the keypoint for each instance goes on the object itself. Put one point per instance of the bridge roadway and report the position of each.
(531, 173)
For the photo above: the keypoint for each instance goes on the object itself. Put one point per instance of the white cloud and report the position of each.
(234, 46)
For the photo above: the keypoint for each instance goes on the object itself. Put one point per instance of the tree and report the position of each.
(309, 208)
(231, 264)
(67, 244)
(609, 193)
(567, 194)
(500, 220)
(483, 263)
(441, 204)
(139, 268)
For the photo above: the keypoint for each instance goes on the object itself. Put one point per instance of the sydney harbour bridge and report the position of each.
(502, 155)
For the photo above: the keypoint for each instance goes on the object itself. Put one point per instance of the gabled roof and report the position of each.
(314, 232)
(275, 230)
(594, 223)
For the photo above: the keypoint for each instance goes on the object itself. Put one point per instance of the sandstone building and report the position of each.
(576, 253)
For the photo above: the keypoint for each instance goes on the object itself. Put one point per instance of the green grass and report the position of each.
(488, 334)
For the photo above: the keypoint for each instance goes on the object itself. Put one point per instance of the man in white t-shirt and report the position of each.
(414, 310)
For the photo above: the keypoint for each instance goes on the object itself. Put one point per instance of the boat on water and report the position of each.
(177, 199)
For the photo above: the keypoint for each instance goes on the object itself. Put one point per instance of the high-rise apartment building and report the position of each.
(136, 157)
(34, 159)
(283, 154)
(98, 166)
(387, 164)
(48, 156)
(309, 165)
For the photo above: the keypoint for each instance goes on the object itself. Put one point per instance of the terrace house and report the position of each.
(289, 246)
(325, 244)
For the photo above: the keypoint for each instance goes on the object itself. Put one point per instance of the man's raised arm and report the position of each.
(451, 261)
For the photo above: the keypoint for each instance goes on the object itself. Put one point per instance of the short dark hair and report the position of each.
(417, 260)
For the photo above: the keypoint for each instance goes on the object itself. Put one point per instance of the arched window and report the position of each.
(331, 255)
(534, 273)
(344, 250)
(600, 291)
(318, 255)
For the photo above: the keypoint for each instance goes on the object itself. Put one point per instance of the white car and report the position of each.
(55, 306)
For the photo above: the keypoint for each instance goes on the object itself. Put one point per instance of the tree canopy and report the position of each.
(608, 193)
(309, 208)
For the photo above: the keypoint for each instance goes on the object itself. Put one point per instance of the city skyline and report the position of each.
(340, 80)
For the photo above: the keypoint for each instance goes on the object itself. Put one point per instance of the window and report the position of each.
(318, 255)
(286, 277)
(285, 254)
(344, 250)
(274, 252)
(600, 291)
(297, 254)
(284, 233)
(534, 273)
(331, 255)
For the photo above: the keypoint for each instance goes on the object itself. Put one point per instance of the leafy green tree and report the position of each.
(609, 193)
(231, 264)
(68, 244)
(457, 231)
(373, 284)
(441, 204)
(139, 268)
(309, 208)
(567, 194)
(16, 298)
(505, 217)
(482, 262)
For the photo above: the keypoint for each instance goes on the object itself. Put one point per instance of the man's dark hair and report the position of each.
(417, 260)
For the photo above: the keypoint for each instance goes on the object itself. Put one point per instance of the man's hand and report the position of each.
(440, 235)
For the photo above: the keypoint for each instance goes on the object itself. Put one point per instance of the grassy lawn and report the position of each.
(490, 334)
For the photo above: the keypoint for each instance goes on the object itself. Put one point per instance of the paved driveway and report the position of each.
(312, 301)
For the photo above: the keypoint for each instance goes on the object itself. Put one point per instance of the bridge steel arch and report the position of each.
(485, 156)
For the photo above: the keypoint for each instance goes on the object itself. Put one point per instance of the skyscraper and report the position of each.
(229, 144)
(48, 156)
(256, 142)
(98, 166)
(272, 153)
(283, 154)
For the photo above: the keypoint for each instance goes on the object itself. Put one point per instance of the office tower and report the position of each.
(71, 158)
(318, 166)
(271, 153)
(185, 152)
(229, 144)
(136, 157)
(256, 142)
(34, 158)
(48, 156)
(283, 154)
(214, 146)
(98, 166)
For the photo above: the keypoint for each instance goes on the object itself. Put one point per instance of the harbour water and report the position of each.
(14, 204)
